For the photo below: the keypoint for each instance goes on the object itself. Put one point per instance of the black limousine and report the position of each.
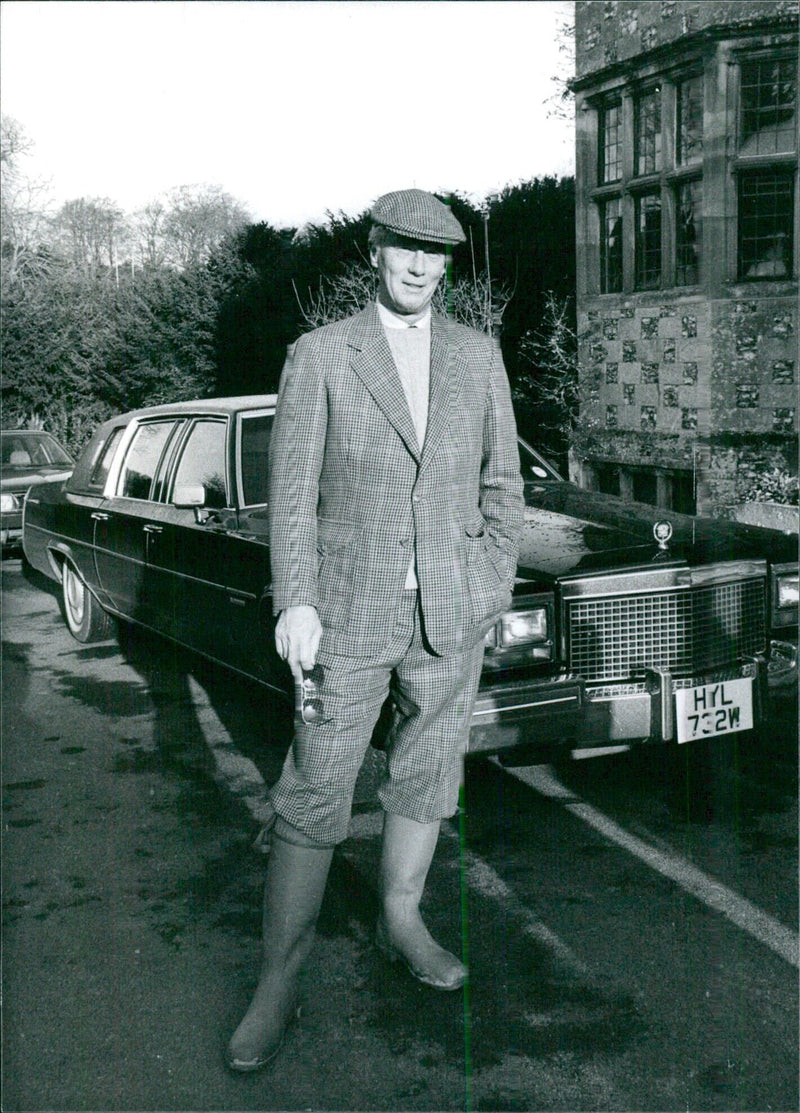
(629, 623)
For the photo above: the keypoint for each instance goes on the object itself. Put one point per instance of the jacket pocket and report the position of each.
(332, 534)
(336, 558)
(487, 582)
(476, 531)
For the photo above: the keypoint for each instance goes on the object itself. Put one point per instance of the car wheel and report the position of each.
(86, 619)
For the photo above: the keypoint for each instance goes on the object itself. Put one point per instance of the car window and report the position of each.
(141, 459)
(203, 462)
(15, 452)
(102, 464)
(532, 465)
(51, 452)
(254, 437)
(26, 450)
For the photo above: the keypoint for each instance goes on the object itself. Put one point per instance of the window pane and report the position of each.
(690, 120)
(610, 145)
(648, 133)
(103, 464)
(611, 247)
(648, 242)
(34, 450)
(683, 493)
(645, 487)
(688, 234)
(143, 456)
(255, 433)
(766, 218)
(768, 98)
(607, 478)
(203, 462)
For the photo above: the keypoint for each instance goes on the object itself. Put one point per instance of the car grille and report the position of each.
(673, 631)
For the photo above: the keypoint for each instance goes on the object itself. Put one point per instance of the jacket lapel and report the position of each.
(372, 362)
(447, 373)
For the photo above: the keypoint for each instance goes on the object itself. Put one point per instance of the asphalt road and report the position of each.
(630, 922)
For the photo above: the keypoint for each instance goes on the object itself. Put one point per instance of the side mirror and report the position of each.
(192, 496)
(189, 496)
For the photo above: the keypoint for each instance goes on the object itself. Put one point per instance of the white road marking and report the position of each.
(487, 883)
(242, 777)
(740, 911)
(237, 773)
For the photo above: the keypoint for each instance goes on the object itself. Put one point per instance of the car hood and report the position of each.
(569, 531)
(20, 479)
(555, 545)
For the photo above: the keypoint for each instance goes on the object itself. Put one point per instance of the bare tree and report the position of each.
(557, 389)
(472, 302)
(148, 232)
(477, 302)
(92, 230)
(339, 296)
(560, 102)
(13, 143)
(25, 222)
(197, 220)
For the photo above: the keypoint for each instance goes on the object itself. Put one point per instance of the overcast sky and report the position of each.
(294, 108)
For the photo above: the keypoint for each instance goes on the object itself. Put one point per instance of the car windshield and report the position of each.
(533, 466)
(26, 450)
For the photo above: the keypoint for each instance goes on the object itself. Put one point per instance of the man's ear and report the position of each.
(373, 255)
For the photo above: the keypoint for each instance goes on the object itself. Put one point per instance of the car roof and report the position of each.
(222, 406)
(25, 433)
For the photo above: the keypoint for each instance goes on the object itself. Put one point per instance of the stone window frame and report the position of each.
(667, 182)
(609, 141)
(688, 251)
(675, 487)
(765, 193)
(771, 134)
(686, 153)
(648, 248)
(611, 262)
(765, 225)
(648, 130)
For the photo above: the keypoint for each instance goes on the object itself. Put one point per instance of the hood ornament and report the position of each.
(662, 531)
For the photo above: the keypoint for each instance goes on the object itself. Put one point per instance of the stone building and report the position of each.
(687, 246)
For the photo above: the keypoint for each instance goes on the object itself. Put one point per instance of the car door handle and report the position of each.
(100, 516)
(153, 529)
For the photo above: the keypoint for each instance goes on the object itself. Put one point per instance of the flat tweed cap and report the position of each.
(418, 215)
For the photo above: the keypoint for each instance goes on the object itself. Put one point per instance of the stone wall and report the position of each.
(700, 378)
(611, 31)
(726, 470)
(649, 362)
(753, 370)
(684, 382)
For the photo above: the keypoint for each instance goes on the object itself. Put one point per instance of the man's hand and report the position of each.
(297, 638)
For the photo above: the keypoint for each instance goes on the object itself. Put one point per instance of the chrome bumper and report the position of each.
(565, 713)
(644, 709)
(527, 712)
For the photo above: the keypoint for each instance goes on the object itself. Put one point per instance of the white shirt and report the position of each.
(410, 345)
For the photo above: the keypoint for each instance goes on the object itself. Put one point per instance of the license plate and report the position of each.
(713, 709)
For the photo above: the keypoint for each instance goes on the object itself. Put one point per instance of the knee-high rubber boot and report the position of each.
(293, 890)
(408, 849)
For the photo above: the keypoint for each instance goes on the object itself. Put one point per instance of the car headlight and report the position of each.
(521, 627)
(784, 595)
(527, 628)
(9, 502)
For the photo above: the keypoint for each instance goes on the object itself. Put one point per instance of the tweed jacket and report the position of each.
(352, 497)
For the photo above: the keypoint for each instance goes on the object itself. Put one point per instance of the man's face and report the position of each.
(408, 273)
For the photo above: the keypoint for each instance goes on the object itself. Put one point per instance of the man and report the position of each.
(395, 512)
